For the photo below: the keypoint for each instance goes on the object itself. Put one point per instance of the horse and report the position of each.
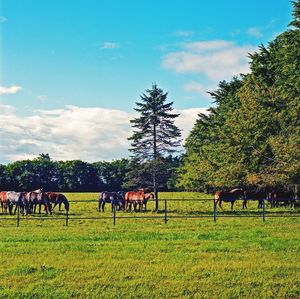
(121, 200)
(17, 199)
(286, 197)
(3, 200)
(38, 198)
(259, 194)
(107, 197)
(230, 196)
(58, 199)
(137, 198)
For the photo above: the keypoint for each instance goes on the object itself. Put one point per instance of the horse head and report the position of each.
(46, 201)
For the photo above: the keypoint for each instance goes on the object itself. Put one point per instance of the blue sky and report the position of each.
(61, 55)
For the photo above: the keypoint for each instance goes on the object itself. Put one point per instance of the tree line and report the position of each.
(79, 176)
(252, 135)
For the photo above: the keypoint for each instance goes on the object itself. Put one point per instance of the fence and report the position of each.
(166, 214)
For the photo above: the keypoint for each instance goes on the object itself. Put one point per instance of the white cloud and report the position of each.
(187, 119)
(3, 19)
(216, 59)
(110, 45)
(42, 98)
(184, 33)
(89, 134)
(208, 45)
(10, 90)
(255, 32)
(196, 87)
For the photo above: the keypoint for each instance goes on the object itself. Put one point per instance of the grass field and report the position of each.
(145, 258)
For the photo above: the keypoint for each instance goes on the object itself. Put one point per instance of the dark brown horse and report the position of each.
(283, 197)
(230, 196)
(260, 194)
(58, 199)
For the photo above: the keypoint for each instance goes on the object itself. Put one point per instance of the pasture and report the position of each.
(146, 258)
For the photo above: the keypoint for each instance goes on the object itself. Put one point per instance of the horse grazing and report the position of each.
(18, 200)
(285, 197)
(230, 196)
(259, 194)
(121, 200)
(38, 197)
(107, 197)
(3, 200)
(58, 199)
(137, 198)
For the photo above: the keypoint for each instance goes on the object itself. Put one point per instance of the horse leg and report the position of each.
(10, 208)
(244, 204)
(103, 205)
(293, 203)
(232, 203)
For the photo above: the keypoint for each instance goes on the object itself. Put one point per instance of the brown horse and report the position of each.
(58, 199)
(230, 196)
(3, 200)
(137, 198)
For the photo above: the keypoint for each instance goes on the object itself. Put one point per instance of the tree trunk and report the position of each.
(154, 168)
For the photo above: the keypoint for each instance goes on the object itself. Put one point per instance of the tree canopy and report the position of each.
(252, 135)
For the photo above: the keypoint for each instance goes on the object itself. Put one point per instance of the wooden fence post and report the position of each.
(114, 206)
(264, 210)
(18, 217)
(166, 215)
(215, 210)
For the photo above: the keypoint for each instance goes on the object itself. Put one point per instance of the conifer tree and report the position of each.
(154, 132)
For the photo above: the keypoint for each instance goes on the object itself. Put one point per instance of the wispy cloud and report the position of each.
(110, 45)
(10, 90)
(255, 32)
(89, 134)
(214, 59)
(196, 88)
(183, 33)
(42, 98)
(2, 19)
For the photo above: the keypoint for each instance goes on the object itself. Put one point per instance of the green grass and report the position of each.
(145, 258)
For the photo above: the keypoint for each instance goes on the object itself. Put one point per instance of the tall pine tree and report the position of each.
(155, 134)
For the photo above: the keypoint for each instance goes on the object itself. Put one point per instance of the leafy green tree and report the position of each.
(78, 176)
(111, 174)
(155, 134)
(3, 178)
(252, 135)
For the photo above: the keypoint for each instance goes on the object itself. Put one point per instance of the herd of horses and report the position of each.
(275, 197)
(125, 200)
(27, 202)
